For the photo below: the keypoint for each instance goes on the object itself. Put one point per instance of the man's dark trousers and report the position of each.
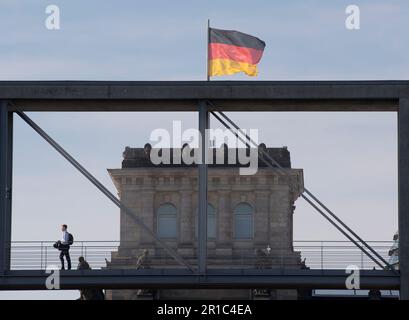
(65, 251)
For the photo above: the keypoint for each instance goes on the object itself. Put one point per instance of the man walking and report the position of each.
(65, 243)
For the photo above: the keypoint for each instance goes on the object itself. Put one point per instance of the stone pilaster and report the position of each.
(261, 217)
(147, 214)
(280, 217)
(224, 223)
(187, 223)
(129, 228)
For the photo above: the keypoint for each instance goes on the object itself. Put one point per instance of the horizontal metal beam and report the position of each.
(221, 278)
(171, 90)
(183, 95)
(248, 105)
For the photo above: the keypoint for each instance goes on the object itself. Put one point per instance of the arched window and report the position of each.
(243, 221)
(167, 221)
(211, 222)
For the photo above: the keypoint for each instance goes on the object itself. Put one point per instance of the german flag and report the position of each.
(233, 51)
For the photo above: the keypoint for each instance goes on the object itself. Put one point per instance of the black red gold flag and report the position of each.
(233, 51)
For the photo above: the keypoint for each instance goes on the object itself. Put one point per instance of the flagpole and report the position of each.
(208, 43)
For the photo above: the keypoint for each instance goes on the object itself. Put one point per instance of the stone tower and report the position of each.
(250, 219)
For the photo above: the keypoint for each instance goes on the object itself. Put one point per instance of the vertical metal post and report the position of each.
(208, 50)
(362, 260)
(202, 212)
(6, 136)
(41, 253)
(322, 255)
(403, 196)
(3, 183)
(9, 188)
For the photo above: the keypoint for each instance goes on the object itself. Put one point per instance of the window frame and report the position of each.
(158, 214)
(251, 215)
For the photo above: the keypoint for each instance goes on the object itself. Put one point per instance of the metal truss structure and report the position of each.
(206, 98)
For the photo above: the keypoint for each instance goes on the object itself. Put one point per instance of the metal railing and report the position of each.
(38, 255)
(339, 254)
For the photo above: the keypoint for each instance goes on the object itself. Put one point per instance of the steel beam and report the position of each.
(403, 195)
(197, 90)
(6, 135)
(229, 105)
(9, 188)
(214, 279)
(202, 212)
(182, 95)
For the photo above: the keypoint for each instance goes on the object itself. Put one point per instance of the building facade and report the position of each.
(250, 219)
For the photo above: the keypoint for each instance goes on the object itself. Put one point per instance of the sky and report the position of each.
(349, 159)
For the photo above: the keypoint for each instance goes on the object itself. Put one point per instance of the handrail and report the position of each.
(319, 254)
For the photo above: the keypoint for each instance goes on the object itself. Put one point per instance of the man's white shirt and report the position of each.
(64, 238)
